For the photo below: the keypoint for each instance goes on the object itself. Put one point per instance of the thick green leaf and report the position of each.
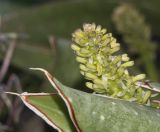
(155, 85)
(100, 114)
(111, 114)
(49, 107)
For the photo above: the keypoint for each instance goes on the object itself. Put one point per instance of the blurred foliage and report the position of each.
(137, 34)
(7, 7)
(50, 18)
(39, 19)
(60, 60)
(29, 1)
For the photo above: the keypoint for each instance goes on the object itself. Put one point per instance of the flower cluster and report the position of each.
(131, 24)
(106, 70)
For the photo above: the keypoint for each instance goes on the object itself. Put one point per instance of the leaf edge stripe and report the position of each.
(40, 114)
(64, 97)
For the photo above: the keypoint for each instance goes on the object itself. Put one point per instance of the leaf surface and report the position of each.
(51, 108)
(98, 114)
(90, 112)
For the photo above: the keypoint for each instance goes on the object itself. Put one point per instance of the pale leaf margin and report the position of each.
(146, 85)
(24, 96)
(63, 96)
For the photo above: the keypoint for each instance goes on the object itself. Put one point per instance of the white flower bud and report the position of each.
(125, 57)
(98, 29)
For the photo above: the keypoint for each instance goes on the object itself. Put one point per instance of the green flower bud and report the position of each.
(99, 69)
(115, 49)
(146, 96)
(83, 55)
(82, 72)
(78, 33)
(114, 44)
(99, 82)
(91, 66)
(81, 59)
(90, 76)
(115, 59)
(75, 47)
(83, 67)
(128, 64)
(89, 85)
(85, 51)
(139, 77)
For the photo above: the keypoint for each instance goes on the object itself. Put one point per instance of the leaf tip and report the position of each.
(40, 69)
(12, 93)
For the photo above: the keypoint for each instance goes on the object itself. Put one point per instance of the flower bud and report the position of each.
(115, 49)
(139, 77)
(128, 64)
(99, 82)
(98, 29)
(125, 57)
(89, 85)
(146, 96)
(84, 51)
(81, 59)
(83, 67)
(75, 47)
(90, 76)
(91, 66)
